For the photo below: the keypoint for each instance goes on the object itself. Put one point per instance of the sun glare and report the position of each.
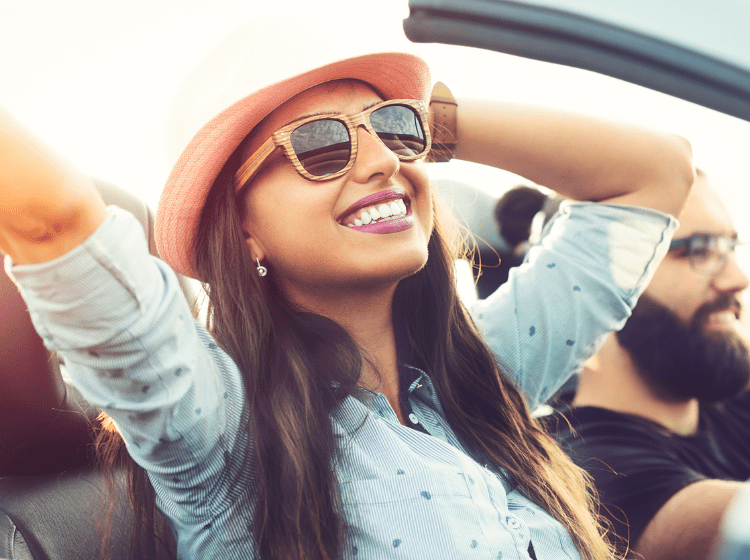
(96, 80)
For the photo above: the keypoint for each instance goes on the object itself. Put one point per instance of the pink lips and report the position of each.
(387, 226)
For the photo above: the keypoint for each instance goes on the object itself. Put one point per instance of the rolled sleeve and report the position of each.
(577, 285)
(119, 319)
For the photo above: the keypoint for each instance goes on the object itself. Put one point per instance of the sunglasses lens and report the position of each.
(400, 128)
(322, 147)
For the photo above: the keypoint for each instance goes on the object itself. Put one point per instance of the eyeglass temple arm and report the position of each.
(679, 244)
(251, 165)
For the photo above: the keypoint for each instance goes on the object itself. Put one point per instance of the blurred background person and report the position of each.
(520, 215)
(502, 230)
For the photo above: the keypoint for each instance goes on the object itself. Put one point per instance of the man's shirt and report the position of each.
(638, 465)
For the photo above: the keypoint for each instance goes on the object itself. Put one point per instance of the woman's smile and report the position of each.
(387, 211)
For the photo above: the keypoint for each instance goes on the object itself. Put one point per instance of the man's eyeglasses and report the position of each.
(325, 147)
(708, 253)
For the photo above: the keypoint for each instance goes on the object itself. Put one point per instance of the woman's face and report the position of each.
(300, 228)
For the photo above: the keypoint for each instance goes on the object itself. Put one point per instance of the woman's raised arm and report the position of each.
(47, 206)
(578, 156)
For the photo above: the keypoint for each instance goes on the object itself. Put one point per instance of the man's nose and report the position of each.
(733, 278)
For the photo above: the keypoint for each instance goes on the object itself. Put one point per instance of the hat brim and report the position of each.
(393, 75)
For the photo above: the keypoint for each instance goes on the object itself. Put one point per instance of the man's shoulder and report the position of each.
(572, 422)
(569, 422)
(618, 439)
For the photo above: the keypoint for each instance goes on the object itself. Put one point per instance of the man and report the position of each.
(661, 418)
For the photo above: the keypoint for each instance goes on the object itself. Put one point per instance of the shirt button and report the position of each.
(413, 418)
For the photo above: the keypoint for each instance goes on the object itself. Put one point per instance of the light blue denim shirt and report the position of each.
(132, 348)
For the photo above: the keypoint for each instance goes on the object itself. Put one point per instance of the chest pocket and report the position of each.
(422, 515)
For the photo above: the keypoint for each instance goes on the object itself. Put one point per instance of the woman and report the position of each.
(342, 402)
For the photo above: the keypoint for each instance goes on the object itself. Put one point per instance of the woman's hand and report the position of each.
(578, 156)
(47, 207)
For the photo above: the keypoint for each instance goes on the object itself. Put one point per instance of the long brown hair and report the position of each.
(150, 536)
(297, 367)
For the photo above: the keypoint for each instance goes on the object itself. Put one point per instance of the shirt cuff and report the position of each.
(637, 239)
(93, 291)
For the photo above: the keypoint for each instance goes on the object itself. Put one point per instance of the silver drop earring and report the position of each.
(262, 270)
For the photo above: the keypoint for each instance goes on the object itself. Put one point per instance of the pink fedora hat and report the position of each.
(239, 82)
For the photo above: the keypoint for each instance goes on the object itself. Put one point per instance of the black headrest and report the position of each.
(56, 517)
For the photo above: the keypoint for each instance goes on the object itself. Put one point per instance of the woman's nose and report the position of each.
(374, 160)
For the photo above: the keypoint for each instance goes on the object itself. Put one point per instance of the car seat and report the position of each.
(49, 492)
(52, 517)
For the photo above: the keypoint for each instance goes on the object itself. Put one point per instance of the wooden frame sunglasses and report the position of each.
(324, 147)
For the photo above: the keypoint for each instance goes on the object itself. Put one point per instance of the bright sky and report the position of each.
(95, 79)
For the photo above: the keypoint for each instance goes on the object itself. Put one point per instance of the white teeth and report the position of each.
(723, 317)
(384, 210)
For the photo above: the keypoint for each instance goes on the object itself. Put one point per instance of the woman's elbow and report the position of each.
(665, 178)
(44, 231)
(677, 175)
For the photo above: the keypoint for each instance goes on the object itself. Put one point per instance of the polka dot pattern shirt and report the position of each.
(132, 348)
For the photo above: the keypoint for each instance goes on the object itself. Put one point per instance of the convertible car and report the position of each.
(48, 489)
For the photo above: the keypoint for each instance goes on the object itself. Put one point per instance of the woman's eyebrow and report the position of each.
(331, 113)
(318, 114)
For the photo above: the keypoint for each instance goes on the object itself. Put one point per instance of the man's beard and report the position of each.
(682, 361)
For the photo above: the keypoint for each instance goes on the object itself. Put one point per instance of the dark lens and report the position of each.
(400, 128)
(708, 253)
(701, 245)
(322, 147)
